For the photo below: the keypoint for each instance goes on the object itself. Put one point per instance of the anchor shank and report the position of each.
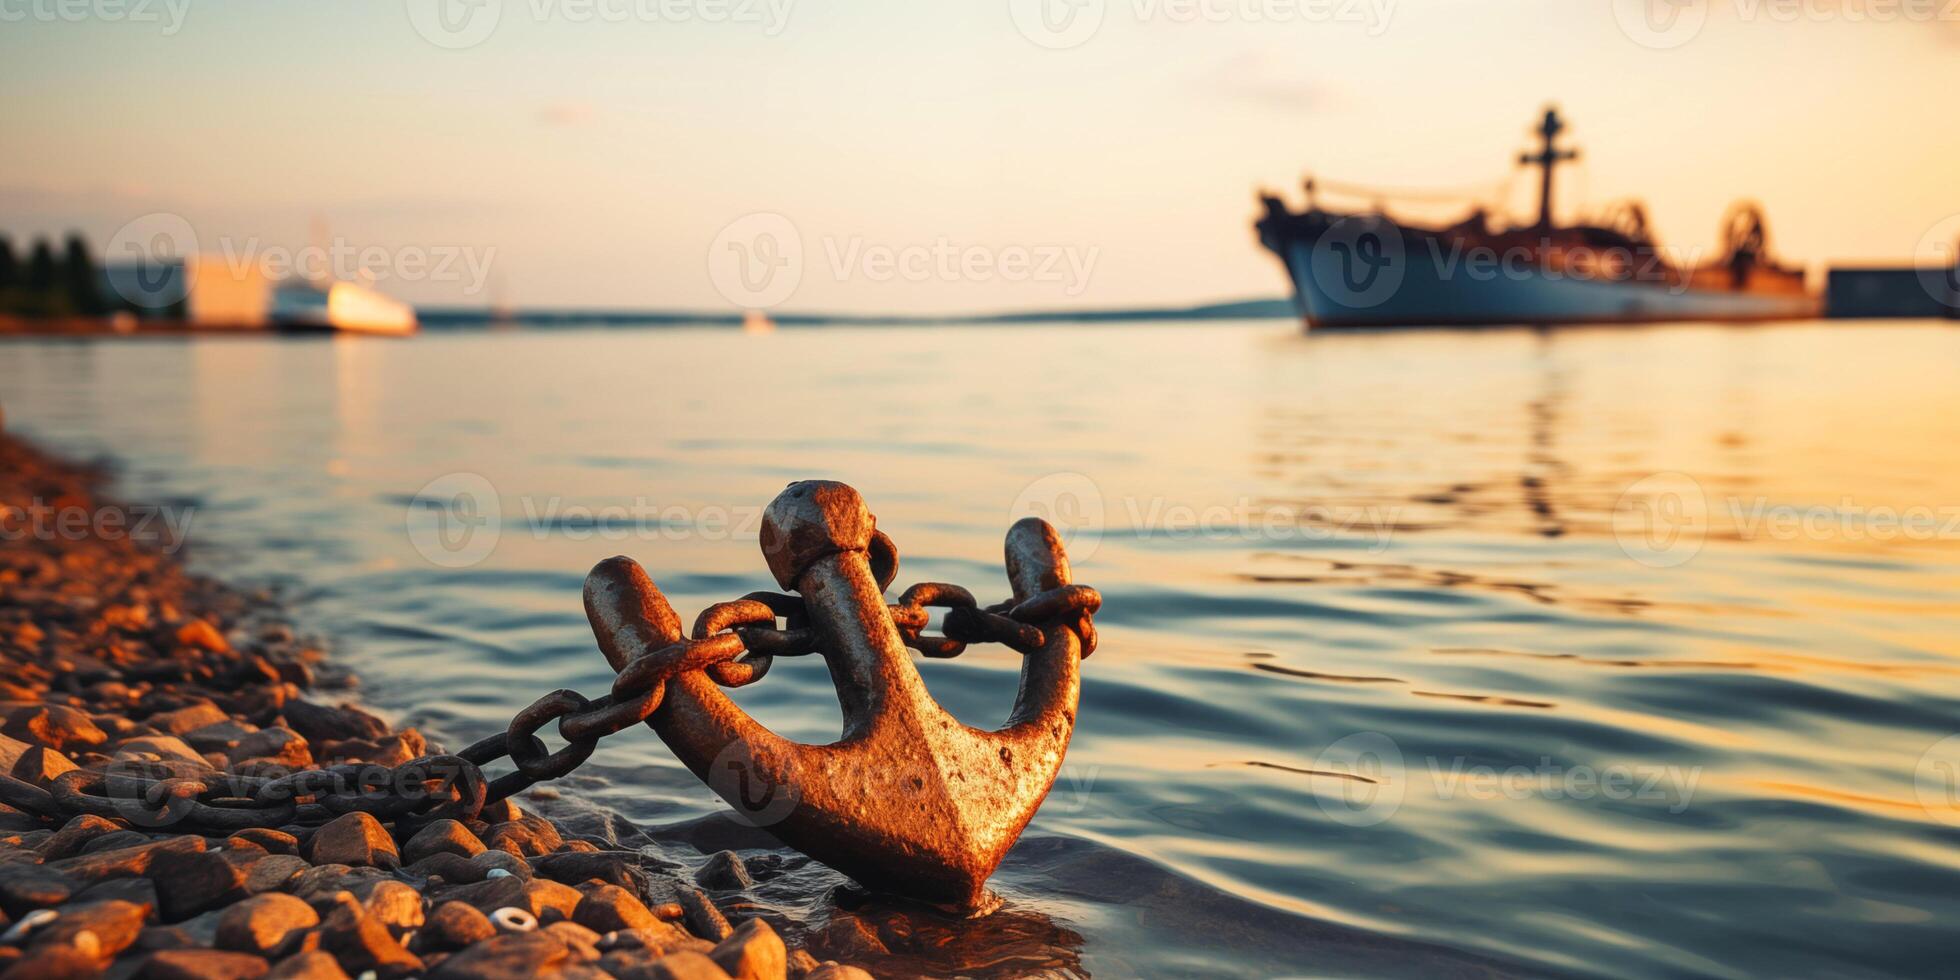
(867, 658)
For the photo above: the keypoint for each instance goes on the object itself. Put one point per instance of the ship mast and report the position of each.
(1547, 159)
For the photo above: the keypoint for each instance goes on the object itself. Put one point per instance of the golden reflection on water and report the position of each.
(1464, 543)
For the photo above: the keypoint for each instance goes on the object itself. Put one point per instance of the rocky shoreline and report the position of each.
(119, 667)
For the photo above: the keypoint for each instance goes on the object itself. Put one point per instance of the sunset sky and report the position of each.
(587, 153)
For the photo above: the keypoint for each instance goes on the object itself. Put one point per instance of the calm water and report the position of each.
(1623, 652)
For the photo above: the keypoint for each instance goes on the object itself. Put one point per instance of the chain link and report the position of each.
(735, 643)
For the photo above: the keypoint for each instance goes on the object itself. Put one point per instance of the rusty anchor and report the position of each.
(908, 800)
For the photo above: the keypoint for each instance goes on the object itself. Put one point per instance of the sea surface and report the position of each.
(1622, 652)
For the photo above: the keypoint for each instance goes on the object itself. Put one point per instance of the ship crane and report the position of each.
(1547, 159)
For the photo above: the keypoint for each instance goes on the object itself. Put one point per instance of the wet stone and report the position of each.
(319, 723)
(281, 745)
(116, 841)
(310, 965)
(54, 725)
(702, 917)
(584, 943)
(452, 869)
(219, 737)
(608, 908)
(454, 925)
(54, 963)
(504, 860)
(752, 952)
(551, 901)
(354, 839)
(75, 835)
(185, 720)
(24, 888)
(724, 871)
(189, 883)
(40, 765)
(204, 964)
(442, 837)
(137, 891)
(362, 942)
(685, 965)
(274, 841)
(524, 837)
(513, 955)
(573, 868)
(169, 748)
(265, 925)
(396, 905)
(837, 971)
(123, 862)
(198, 634)
(114, 924)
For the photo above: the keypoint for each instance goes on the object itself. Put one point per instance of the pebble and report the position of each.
(442, 837)
(354, 839)
(752, 952)
(274, 841)
(124, 862)
(75, 835)
(204, 964)
(39, 765)
(362, 942)
(113, 926)
(26, 888)
(55, 726)
(724, 871)
(608, 908)
(186, 720)
(191, 882)
(265, 925)
(454, 925)
(310, 965)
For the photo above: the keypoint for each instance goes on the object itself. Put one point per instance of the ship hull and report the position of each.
(1424, 292)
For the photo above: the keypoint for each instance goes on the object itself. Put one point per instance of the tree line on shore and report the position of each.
(53, 283)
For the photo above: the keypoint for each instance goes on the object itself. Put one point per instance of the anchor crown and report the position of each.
(810, 520)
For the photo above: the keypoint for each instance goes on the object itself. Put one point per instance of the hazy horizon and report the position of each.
(971, 159)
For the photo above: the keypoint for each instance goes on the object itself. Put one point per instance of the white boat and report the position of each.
(305, 305)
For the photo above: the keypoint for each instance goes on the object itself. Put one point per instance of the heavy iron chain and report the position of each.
(735, 643)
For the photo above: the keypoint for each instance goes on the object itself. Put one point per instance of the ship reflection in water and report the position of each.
(1627, 653)
(1367, 269)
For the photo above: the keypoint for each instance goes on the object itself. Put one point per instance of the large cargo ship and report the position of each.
(1367, 269)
